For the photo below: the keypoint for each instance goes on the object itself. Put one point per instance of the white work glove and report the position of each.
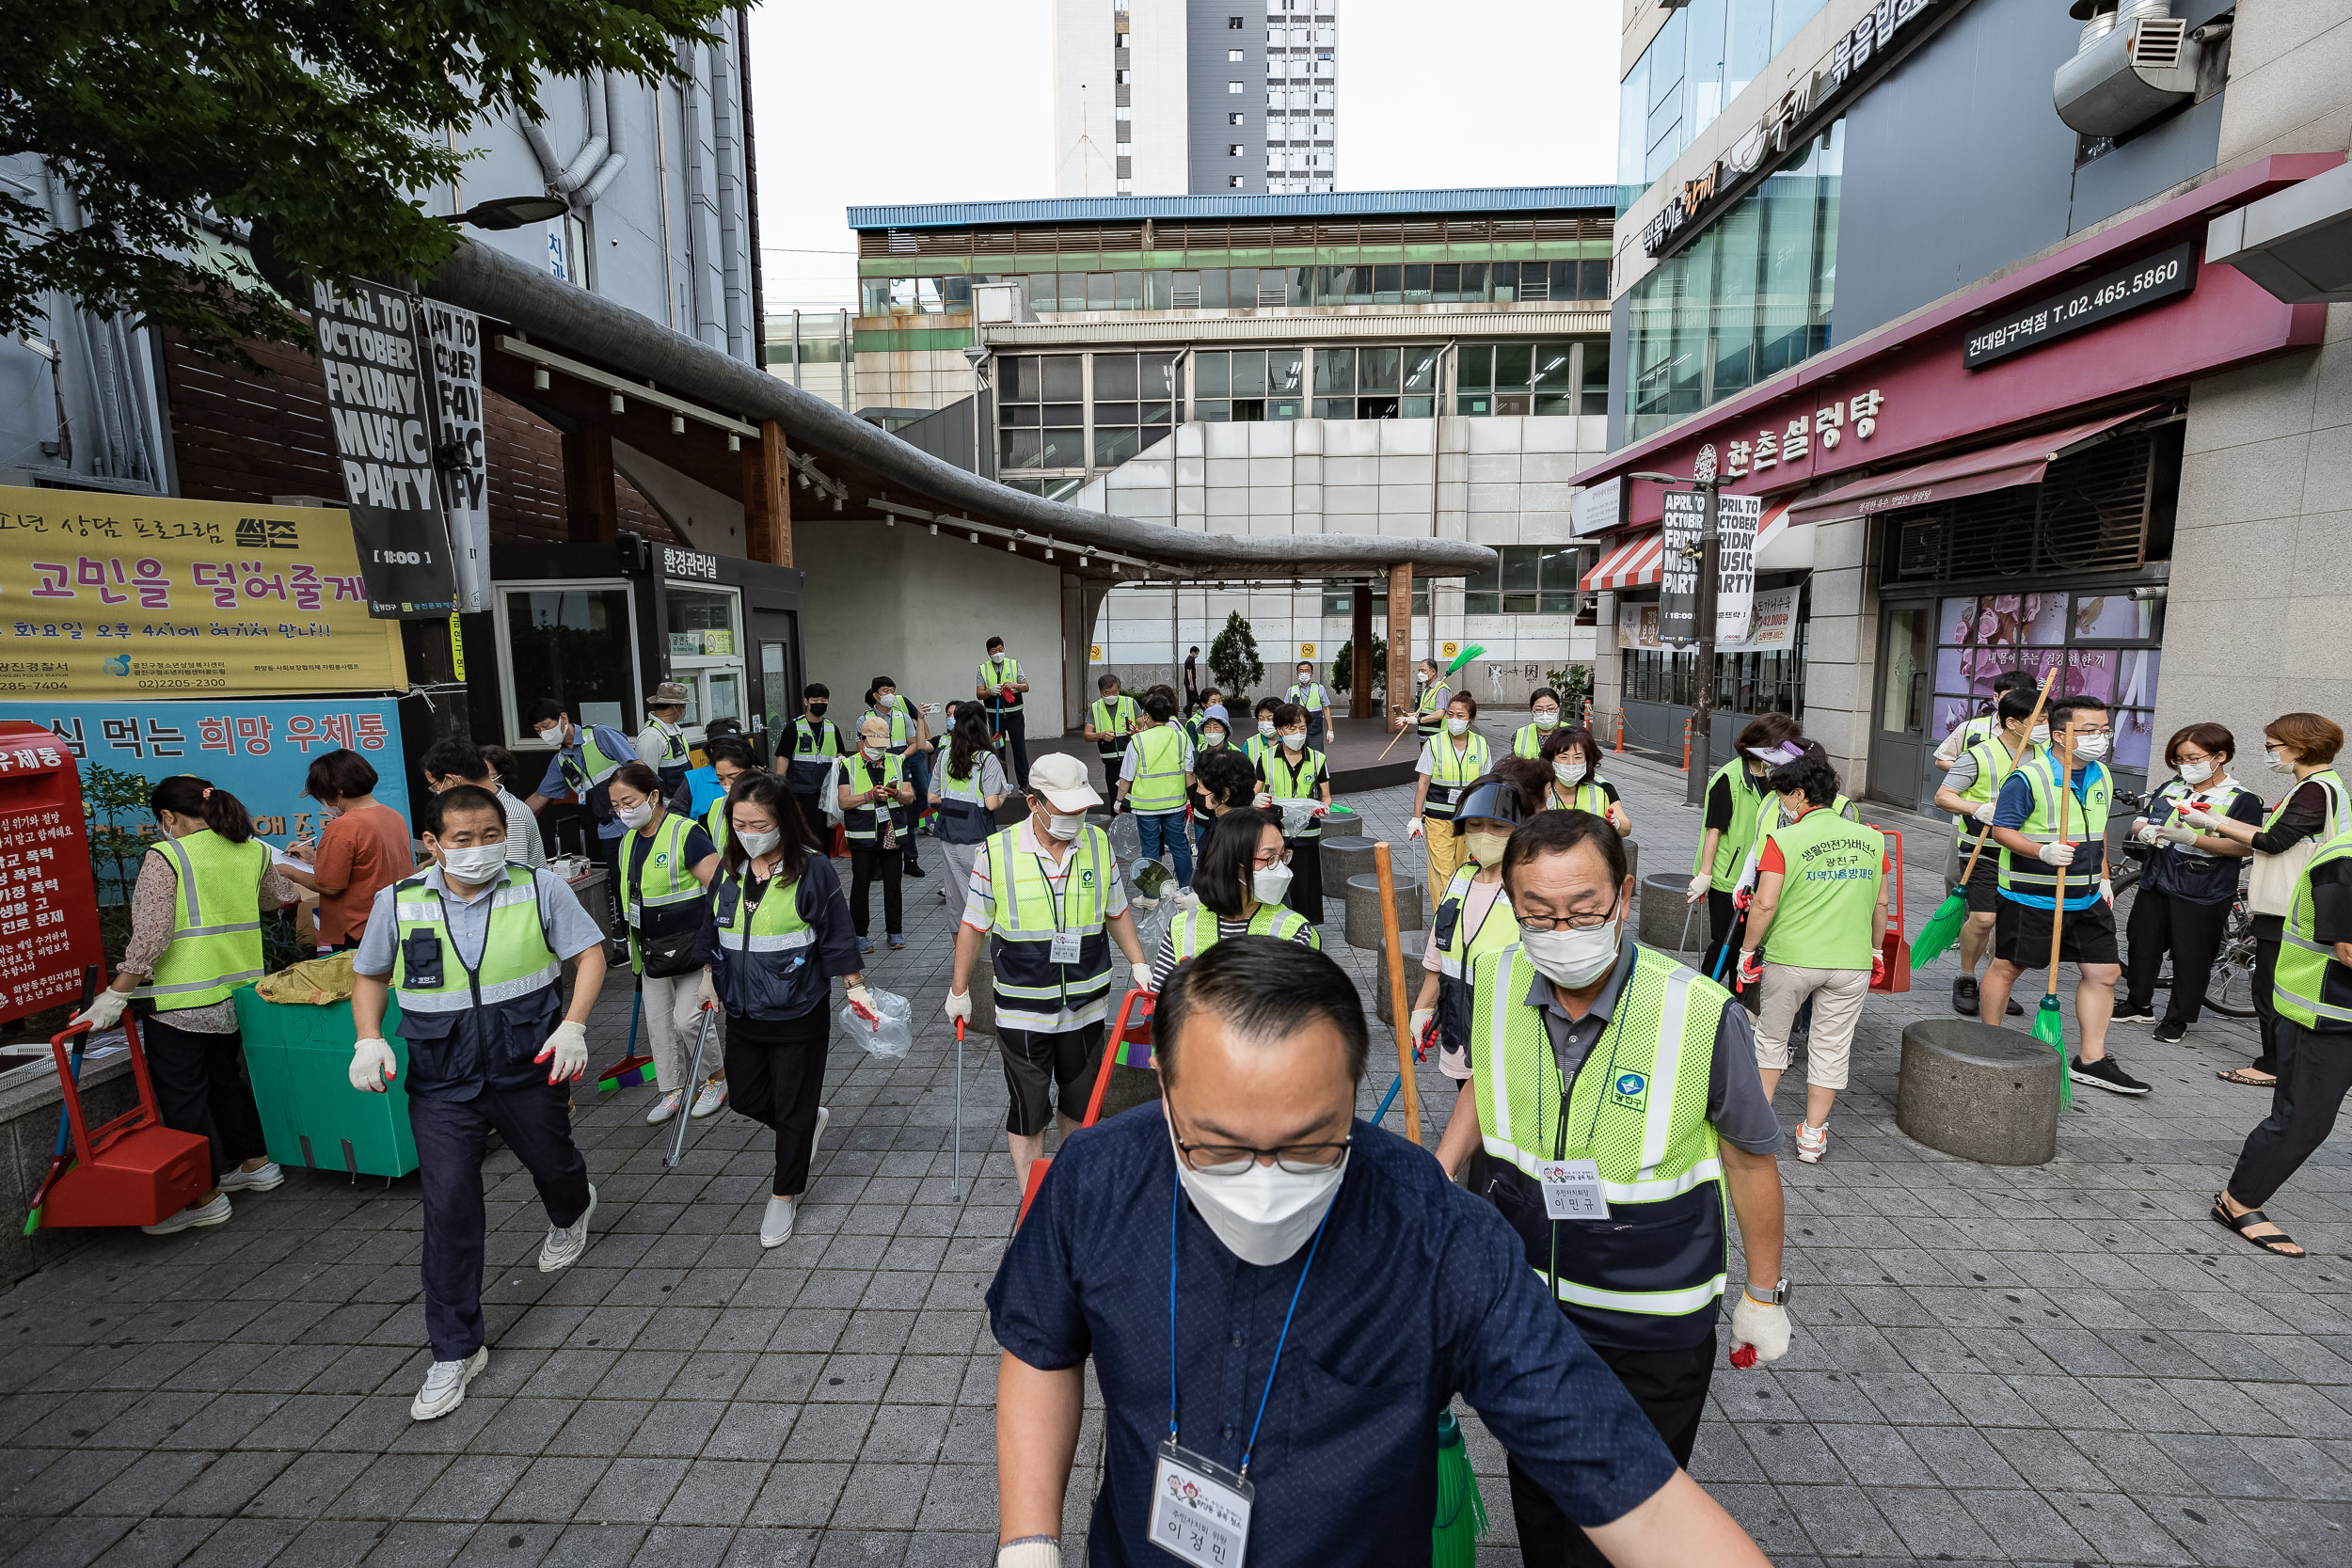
(1983, 812)
(2144, 832)
(1419, 1025)
(2196, 816)
(707, 994)
(2056, 854)
(1701, 885)
(1263, 800)
(863, 1000)
(105, 1010)
(959, 1007)
(2107, 890)
(1412, 829)
(1762, 1326)
(568, 1046)
(1029, 1554)
(2172, 833)
(1143, 976)
(373, 1066)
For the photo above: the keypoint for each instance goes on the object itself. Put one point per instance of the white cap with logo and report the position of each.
(1062, 780)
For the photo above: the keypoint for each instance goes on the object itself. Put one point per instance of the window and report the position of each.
(1136, 400)
(1042, 411)
(1232, 87)
(1339, 599)
(1744, 683)
(559, 640)
(1237, 182)
(2107, 645)
(1517, 379)
(1532, 579)
(1595, 388)
(1233, 55)
(1694, 66)
(1232, 150)
(1235, 22)
(1377, 383)
(1232, 120)
(1250, 385)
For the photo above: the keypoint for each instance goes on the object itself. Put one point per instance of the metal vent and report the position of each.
(2159, 43)
(2090, 513)
(901, 243)
(1273, 293)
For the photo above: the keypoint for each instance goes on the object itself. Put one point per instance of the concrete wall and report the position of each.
(2258, 620)
(1160, 95)
(920, 608)
(1083, 160)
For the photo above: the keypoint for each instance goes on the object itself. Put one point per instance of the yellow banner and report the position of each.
(118, 596)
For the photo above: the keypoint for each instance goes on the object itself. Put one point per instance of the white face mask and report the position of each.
(2091, 748)
(759, 843)
(1457, 726)
(2277, 762)
(874, 750)
(475, 864)
(328, 813)
(2196, 772)
(1265, 728)
(1296, 741)
(1264, 1215)
(1306, 677)
(1065, 827)
(1212, 737)
(1573, 958)
(2040, 734)
(1568, 772)
(556, 735)
(1544, 721)
(636, 816)
(1270, 883)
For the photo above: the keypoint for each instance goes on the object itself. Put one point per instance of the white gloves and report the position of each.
(1143, 976)
(1983, 812)
(373, 1066)
(707, 994)
(2199, 817)
(2107, 890)
(1700, 886)
(1421, 1019)
(2145, 831)
(569, 1045)
(1029, 1554)
(1412, 829)
(959, 1007)
(1765, 1327)
(1263, 800)
(863, 1000)
(105, 1010)
(2057, 854)
(2173, 832)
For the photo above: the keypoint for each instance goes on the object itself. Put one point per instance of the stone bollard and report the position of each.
(1665, 916)
(1981, 1093)
(1633, 860)
(1344, 857)
(1363, 908)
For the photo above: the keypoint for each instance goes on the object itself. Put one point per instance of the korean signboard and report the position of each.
(2164, 275)
(48, 907)
(118, 596)
(379, 391)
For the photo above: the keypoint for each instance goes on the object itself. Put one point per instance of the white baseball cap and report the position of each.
(1062, 780)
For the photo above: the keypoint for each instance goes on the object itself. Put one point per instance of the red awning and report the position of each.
(1970, 473)
(1639, 560)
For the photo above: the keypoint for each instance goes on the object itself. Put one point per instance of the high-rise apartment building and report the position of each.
(1191, 97)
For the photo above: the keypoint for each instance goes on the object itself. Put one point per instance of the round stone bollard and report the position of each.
(1981, 1093)
(1665, 916)
(1363, 908)
(1633, 860)
(1344, 857)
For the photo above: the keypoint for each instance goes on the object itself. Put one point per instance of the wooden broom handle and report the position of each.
(1396, 988)
(2057, 903)
(2040, 702)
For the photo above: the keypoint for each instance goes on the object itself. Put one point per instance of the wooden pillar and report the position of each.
(1359, 659)
(589, 503)
(1400, 636)
(767, 497)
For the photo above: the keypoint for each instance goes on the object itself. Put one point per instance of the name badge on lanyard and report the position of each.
(1200, 1509)
(1572, 1190)
(1065, 950)
(1065, 944)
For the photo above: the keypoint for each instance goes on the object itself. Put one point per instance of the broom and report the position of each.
(2049, 1026)
(1943, 928)
(1396, 989)
(1461, 1512)
(1475, 650)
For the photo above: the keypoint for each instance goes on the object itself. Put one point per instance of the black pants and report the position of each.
(536, 1124)
(2192, 932)
(1722, 918)
(200, 1088)
(1670, 1386)
(865, 865)
(1014, 728)
(2269, 935)
(1306, 891)
(611, 849)
(2314, 1071)
(780, 1087)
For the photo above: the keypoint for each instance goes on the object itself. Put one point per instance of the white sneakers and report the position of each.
(564, 1243)
(266, 1178)
(823, 1116)
(1812, 1142)
(665, 1107)
(214, 1211)
(713, 1095)
(775, 1226)
(444, 1387)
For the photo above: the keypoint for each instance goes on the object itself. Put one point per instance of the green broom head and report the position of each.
(2049, 1028)
(1472, 651)
(1461, 1512)
(1942, 929)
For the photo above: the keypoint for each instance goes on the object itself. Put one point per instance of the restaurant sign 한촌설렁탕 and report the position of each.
(128, 597)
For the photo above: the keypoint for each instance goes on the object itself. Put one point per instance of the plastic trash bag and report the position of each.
(832, 801)
(316, 981)
(1149, 880)
(891, 1035)
(1152, 925)
(1127, 838)
(1298, 813)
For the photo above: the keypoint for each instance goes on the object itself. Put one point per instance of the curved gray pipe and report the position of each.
(596, 163)
(495, 284)
(614, 159)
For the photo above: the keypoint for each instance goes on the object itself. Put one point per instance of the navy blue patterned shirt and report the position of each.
(1418, 1292)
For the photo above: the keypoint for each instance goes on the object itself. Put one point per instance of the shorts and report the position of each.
(2021, 936)
(1984, 885)
(1038, 1064)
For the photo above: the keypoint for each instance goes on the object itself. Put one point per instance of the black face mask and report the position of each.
(816, 710)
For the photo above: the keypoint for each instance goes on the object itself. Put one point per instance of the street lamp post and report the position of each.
(1703, 614)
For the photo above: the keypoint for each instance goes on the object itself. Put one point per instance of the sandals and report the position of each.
(2276, 1246)
(2248, 1077)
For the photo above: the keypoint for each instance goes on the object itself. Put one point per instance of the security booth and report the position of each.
(599, 626)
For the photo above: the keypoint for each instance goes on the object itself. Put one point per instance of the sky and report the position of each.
(927, 101)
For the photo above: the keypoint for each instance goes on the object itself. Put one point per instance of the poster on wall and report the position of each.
(1771, 625)
(379, 393)
(1736, 521)
(1679, 567)
(106, 596)
(456, 337)
(256, 750)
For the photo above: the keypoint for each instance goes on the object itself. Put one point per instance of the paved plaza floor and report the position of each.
(2069, 1363)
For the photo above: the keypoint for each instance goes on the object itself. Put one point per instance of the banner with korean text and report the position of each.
(117, 597)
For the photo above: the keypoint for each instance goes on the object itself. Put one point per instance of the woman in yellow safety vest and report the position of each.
(1453, 760)
(1245, 871)
(196, 936)
(1576, 784)
(1735, 800)
(666, 860)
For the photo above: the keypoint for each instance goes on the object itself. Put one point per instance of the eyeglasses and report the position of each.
(1277, 857)
(1568, 921)
(1234, 1159)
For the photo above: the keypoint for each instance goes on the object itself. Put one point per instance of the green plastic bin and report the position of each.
(299, 1056)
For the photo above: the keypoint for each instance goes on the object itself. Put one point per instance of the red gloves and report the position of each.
(1878, 969)
(1741, 898)
(1752, 966)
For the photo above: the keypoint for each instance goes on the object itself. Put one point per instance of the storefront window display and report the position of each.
(2105, 642)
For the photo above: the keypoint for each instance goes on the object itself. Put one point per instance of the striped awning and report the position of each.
(1638, 561)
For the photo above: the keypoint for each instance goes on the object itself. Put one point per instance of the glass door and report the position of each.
(1901, 745)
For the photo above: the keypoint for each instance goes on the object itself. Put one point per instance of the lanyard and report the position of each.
(1175, 1210)
(1046, 869)
(1610, 1034)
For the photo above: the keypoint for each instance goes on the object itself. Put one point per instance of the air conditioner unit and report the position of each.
(2135, 62)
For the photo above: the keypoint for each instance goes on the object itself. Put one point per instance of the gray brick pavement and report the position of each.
(2063, 1365)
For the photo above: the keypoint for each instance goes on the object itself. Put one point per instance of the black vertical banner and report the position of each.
(378, 390)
